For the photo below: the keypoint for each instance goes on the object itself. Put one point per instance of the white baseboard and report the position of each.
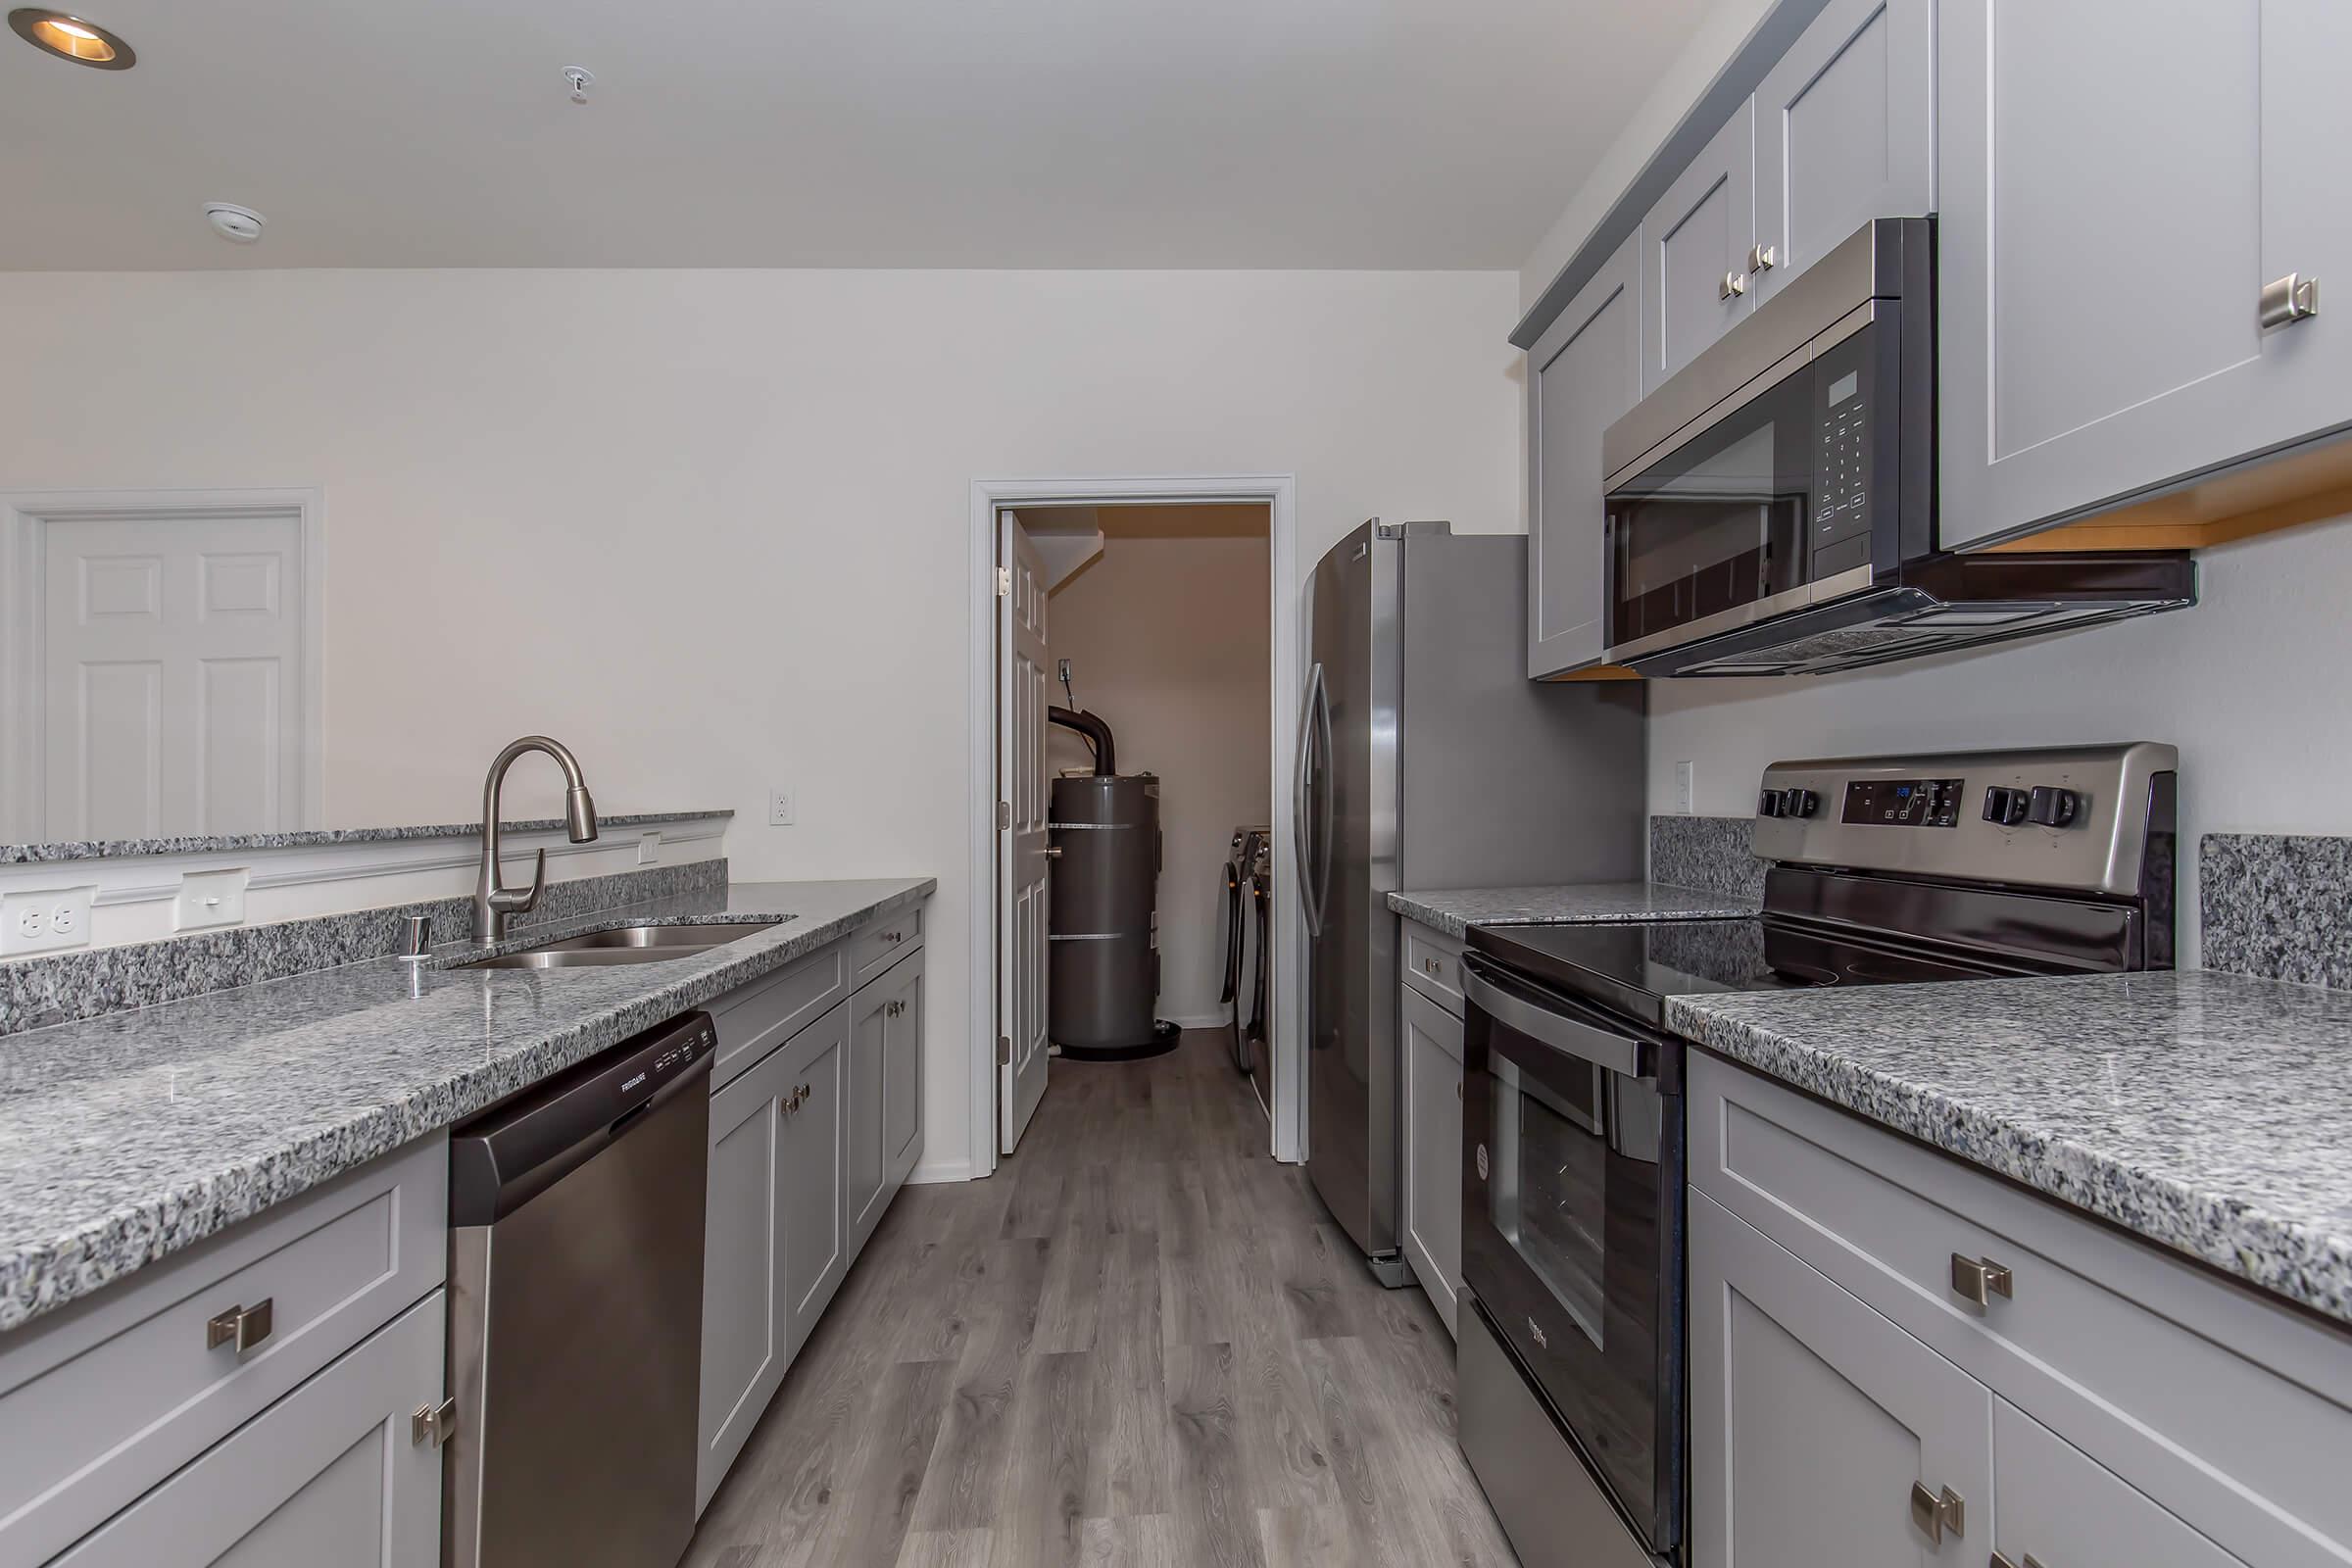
(946, 1170)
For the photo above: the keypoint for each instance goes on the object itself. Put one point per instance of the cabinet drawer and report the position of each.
(103, 1400)
(2232, 1410)
(882, 944)
(2052, 1504)
(330, 1473)
(761, 1016)
(1433, 965)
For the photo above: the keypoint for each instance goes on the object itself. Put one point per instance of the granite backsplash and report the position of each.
(2278, 905)
(62, 988)
(1710, 853)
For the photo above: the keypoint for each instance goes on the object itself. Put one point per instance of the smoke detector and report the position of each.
(240, 226)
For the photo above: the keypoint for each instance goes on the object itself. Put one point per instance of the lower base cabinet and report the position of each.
(1813, 1418)
(1432, 1150)
(329, 1477)
(1822, 1433)
(807, 1147)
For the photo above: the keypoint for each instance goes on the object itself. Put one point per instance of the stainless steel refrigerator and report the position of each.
(1428, 760)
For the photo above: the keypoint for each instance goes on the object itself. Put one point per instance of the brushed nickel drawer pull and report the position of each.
(1934, 1513)
(2001, 1559)
(2289, 299)
(1980, 1279)
(433, 1423)
(241, 1326)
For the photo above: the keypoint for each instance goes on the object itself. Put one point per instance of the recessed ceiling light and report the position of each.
(86, 43)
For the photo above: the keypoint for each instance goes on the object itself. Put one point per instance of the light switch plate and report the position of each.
(1682, 787)
(779, 807)
(46, 921)
(208, 899)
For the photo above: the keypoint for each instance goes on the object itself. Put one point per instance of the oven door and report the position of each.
(1571, 1225)
(1766, 504)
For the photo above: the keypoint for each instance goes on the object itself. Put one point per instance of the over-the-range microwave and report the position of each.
(1772, 505)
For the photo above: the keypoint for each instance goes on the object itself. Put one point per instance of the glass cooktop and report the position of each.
(1632, 968)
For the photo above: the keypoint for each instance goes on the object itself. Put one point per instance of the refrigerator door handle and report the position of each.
(1300, 856)
(1327, 810)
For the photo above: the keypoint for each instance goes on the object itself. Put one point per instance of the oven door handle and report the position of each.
(1612, 1052)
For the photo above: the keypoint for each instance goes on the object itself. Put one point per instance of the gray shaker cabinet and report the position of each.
(1694, 250)
(1845, 132)
(1433, 1149)
(2119, 181)
(809, 1169)
(1813, 1418)
(2057, 1505)
(1582, 375)
(744, 1323)
(329, 1477)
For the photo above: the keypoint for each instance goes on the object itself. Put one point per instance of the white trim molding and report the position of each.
(23, 516)
(1278, 492)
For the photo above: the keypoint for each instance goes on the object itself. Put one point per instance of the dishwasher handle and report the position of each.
(511, 1154)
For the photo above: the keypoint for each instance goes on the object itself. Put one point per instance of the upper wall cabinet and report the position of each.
(1845, 132)
(2133, 193)
(1582, 373)
(1694, 245)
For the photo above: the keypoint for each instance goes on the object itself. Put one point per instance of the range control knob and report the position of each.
(1799, 802)
(2052, 807)
(1769, 803)
(2004, 805)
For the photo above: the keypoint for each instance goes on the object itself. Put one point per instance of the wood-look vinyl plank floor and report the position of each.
(1142, 1344)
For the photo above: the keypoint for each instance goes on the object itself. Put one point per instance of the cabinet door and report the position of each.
(902, 1074)
(744, 1317)
(1845, 132)
(1812, 1417)
(810, 1166)
(870, 1031)
(2119, 181)
(1582, 376)
(326, 1478)
(1694, 251)
(2059, 1506)
(1432, 1150)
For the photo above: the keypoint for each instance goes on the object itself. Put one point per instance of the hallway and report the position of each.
(1140, 1342)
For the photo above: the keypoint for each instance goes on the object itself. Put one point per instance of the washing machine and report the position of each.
(1237, 907)
(1258, 1036)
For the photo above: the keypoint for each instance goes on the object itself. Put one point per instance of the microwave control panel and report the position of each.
(1843, 478)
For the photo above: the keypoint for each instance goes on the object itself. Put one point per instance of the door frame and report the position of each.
(1277, 491)
(25, 518)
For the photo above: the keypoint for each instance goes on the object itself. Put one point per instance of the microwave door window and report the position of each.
(1719, 521)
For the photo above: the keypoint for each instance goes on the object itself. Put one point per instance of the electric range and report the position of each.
(1899, 870)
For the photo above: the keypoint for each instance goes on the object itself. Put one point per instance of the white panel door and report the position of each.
(1021, 782)
(171, 688)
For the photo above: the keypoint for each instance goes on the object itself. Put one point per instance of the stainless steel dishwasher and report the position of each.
(576, 1311)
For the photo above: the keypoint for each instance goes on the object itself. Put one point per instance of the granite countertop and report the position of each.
(126, 1137)
(309, 838)
(2209, 1113)
(1453, 910)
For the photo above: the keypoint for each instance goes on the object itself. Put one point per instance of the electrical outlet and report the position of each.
(779, 807)
(46, 921)
(1062, 670)
(1684, 785)
(648, 847)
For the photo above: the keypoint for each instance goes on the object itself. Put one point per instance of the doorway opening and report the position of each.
(1131, 783)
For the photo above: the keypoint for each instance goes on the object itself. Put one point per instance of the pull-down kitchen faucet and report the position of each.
(494, 904)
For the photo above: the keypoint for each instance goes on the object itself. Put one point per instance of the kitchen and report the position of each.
(655, 480)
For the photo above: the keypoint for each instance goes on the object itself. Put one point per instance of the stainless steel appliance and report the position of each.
(1237, 921)
(1258, 1036)
(1900, 869)
(1772, 505)
(1427, 759)
(575, 1312)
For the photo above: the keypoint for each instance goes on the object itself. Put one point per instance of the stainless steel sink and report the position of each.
(628, 944)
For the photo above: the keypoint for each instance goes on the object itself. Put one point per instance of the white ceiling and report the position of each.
(1348, 133)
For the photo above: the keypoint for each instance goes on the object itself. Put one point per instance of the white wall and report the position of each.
(1170, 641)
(710, 527)
(2248, 684)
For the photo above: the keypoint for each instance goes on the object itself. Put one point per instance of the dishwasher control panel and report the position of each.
(681, 1050)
